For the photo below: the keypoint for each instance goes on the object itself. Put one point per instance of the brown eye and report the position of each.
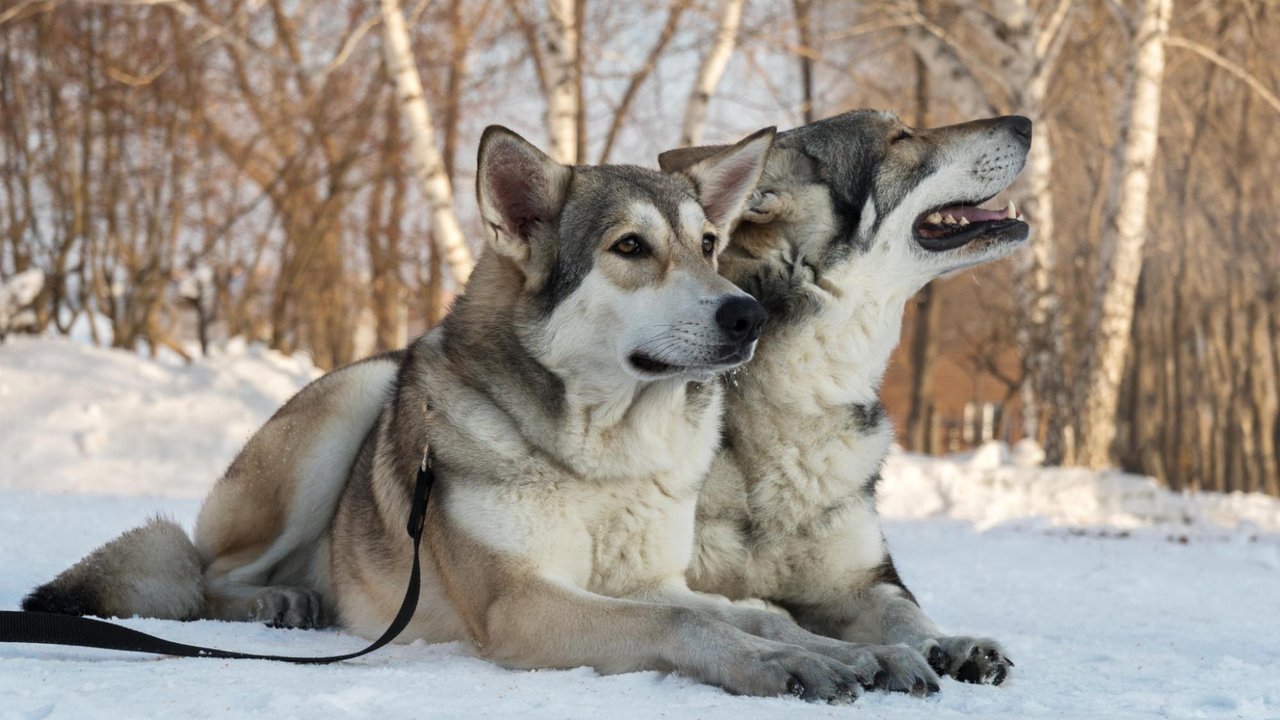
(709, 244)
(630, 246)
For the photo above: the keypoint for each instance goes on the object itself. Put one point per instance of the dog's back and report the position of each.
(263, 521)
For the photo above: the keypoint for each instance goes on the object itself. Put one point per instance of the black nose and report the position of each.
(1019, 125)
(740, 318)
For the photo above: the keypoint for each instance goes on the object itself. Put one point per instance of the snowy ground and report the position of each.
(1116, 599)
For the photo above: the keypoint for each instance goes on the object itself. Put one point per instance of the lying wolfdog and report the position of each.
(853, 215)
(570, 403)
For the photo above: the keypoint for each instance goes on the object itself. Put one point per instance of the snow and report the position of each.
(78, 418)
(1117, 599)
(994, 485)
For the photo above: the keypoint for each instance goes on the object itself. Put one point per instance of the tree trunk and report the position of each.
(428, 165)
(710, 72)
(806, 54)
(1046, 400)
(1121, 262)
(561, 37)
(924, 348)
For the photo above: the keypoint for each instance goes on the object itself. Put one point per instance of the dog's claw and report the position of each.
(845, 694)
(795, 687)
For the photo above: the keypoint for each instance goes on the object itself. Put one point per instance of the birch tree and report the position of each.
(710, 71)
(427, 161)
(560, 58)
(1035, 41)
(1021, 42)
(1121, 259)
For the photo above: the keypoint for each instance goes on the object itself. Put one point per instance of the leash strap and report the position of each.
(55, 629)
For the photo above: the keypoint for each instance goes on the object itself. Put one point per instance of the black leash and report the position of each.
(55, 629)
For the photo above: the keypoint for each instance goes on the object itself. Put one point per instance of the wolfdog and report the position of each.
(569, 402)
(853, 215)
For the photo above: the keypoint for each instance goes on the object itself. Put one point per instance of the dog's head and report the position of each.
(619, 264)
(864, 191)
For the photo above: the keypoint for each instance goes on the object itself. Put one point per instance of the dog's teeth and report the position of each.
(964, 220)
(1011, 211)
(934, 218)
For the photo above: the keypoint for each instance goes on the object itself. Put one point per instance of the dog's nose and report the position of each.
(1020, 126)
(741, 319)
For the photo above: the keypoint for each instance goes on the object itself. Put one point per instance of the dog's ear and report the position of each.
(681, 158)
(521, 192)
(726, 179)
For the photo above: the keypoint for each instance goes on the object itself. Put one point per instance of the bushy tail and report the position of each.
(150, 571)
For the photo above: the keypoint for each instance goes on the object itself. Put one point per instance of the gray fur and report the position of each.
(828, 245)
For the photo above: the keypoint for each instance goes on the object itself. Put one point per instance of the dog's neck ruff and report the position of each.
(837, 355)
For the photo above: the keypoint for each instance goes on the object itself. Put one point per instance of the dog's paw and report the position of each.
(903, 669)
(973, 660)
(787, 670)
(287, 607)
(897, 668)
(787, 285)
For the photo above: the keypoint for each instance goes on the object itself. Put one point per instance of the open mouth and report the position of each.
(732, 355)
(954, 226)
(650, 366)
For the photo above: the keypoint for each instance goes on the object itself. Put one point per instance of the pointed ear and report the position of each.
(520, 191)
(681, 158)
(726, 179)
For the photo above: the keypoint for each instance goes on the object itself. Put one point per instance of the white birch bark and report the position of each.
(560, 33)
(1036, 42)
(1121, 262)
(710, 72)
(427, 161)
(1040, 332)
(1022, 40)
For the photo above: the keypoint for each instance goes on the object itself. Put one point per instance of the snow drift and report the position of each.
(994, 485)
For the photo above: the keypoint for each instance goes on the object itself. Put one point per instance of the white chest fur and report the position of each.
(611, 509)
(804, 454)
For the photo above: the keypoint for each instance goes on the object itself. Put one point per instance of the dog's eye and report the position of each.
(903, 134)
(630, 246)
(708, 244)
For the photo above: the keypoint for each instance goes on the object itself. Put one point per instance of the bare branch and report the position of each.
(641, 74)
(1234, 68)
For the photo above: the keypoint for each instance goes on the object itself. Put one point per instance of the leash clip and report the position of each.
(421, 491)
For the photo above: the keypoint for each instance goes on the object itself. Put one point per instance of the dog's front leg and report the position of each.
(537, 622)
(887, 612)
(888, 667)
